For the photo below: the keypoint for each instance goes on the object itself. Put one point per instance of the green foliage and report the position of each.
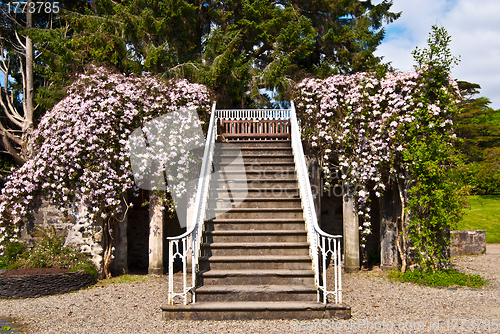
(49, 252)
(482, 178)
(234, 47)
(438, 278)
(477, 124)
(483, 213)
(435, 198)
(11, 253)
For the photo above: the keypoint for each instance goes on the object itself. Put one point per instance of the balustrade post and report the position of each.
(155, 234)
(351, 234)
(390, 210)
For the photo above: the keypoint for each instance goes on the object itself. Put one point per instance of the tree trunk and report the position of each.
(29, 108)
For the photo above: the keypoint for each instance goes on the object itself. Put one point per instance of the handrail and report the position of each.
(194, 232)
(318, 239)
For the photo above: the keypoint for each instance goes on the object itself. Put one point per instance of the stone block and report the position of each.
(468, 242)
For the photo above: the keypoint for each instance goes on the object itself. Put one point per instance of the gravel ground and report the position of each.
(378, 306)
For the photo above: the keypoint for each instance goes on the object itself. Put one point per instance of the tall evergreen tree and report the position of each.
(477, 123)
(235, 47)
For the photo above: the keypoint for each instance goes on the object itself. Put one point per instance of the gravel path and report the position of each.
(376, 302)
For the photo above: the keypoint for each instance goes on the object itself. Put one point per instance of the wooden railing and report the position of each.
(255, 128)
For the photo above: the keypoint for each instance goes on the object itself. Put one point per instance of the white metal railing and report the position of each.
(321, 243)
(188, 244)
(238, 114)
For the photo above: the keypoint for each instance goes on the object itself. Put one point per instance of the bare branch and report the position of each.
(9, 149)
(19, 40)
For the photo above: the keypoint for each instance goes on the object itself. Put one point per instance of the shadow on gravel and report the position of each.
(9, 326)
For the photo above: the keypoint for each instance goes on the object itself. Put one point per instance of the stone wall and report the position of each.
(76, 230)
(468, 242)
(28, 286)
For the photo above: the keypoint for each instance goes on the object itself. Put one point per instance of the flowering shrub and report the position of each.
(378, 130)
(81, 144)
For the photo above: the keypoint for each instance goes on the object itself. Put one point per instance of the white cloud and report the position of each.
(474, 29)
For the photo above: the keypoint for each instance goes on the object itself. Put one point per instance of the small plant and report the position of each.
(12, 251)
(49, 252)
(438, 278)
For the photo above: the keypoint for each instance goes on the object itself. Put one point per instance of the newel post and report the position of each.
(351, 234)
(155, 234)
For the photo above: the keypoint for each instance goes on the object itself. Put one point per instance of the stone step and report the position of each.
(256, 213)
(279, 192)
(256, 175)
(254, 183)
(254, 293)
(256, 143)
(250, 236)
(301, 310)
(255, 203)
(255, 262)
(269, 167)
(270, 248)
(254, 224)
(253, 159)
(257, 276)
(253, 151)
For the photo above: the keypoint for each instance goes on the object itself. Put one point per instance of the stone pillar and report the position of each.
(120, 263)
(155, 234)
(351, 235)
(390, 210)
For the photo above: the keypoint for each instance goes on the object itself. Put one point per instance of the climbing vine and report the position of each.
(82, 148)
(373, 130)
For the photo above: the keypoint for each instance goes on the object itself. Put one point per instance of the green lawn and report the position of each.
(483, 213)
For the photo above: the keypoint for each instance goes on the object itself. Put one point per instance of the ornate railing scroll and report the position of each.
(188, 244)
(323, 246)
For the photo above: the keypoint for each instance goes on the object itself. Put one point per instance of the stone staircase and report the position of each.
(255, 261)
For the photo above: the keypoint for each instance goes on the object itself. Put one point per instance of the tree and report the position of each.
(477, 124)
(236, 48)
(393, 129)
(83, 149)
(14, 45)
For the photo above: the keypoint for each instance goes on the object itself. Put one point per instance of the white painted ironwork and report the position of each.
(242, 114)
(322, 245)
(187, 246)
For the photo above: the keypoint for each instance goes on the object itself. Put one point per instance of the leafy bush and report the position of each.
(49, 252)
(483, 178)
(438, 278)
(11, 252)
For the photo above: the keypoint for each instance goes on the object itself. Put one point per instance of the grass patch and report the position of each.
(438, 278)
(483, 213)
(123, 279)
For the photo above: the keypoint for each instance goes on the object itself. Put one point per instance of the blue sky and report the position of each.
(474, 28)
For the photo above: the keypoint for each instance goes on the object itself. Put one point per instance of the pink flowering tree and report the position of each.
(81, 147)
(376, 130)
